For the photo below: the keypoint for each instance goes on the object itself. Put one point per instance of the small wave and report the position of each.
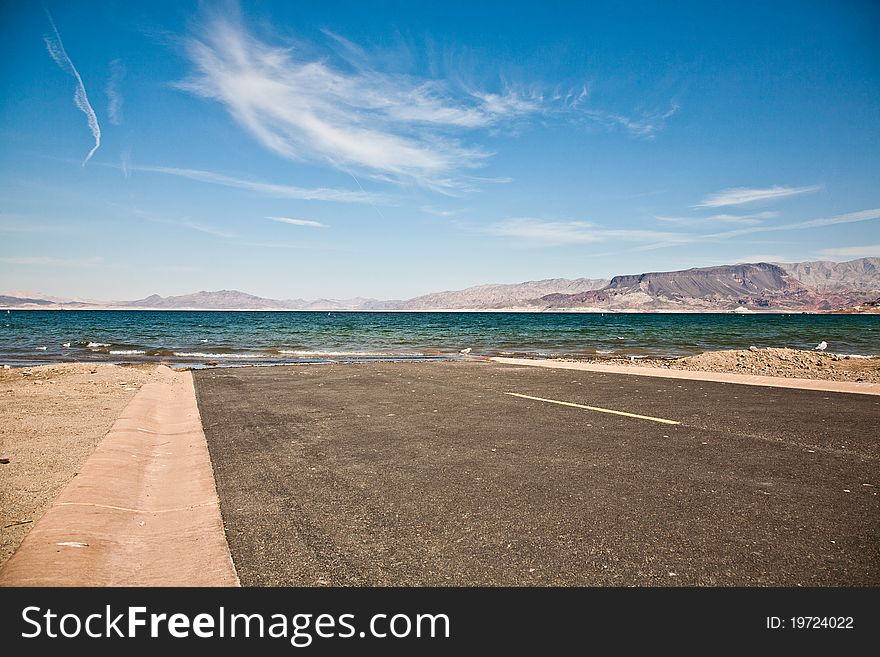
(93, 345)
(41, 348)
(604, 351)
(159, 352)
(298, 352)
(127, 352)
(199, 354)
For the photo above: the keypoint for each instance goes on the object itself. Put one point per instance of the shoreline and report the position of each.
(517, 310)
(767, 361)
(782, 362)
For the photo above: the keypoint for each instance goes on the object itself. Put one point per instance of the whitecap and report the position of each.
(299, 352)
(198, 354)
(127, 352)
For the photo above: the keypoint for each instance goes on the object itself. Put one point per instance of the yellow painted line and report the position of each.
(595, 408)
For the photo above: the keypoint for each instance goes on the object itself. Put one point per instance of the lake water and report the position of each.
(226, 338)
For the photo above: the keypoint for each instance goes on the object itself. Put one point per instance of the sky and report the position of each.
(391, 149)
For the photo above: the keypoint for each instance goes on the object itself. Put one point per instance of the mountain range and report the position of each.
(802, 286)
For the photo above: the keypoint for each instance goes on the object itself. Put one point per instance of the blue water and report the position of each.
(225, 338)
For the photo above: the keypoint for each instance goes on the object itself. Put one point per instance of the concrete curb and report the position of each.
(718, 377)
(143, 510)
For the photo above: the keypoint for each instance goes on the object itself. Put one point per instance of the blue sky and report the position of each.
(389, 149)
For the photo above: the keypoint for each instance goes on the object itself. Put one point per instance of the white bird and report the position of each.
(822, 346)
(465, 351)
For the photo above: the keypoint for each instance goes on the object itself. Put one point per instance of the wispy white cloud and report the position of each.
(125, 162)
(199, 227)
(646, 125)
(298, 222)
(390, 126)
(744, 219)
(114, 95)
(547, 233)
(268, 189)
(861, 251)
(183, 222)
(56, 50)
(540, 232)
(742, 195)
(377, 123)
(849, 218)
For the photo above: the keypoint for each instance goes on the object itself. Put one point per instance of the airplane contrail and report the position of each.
(56, 50)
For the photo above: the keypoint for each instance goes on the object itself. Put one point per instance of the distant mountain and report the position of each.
(503, 295)
(235, 300)
(803, 286)
(40, 298)
(357, 303)
(862, 274)
(758, 286)
(219, 300)
(8, 301)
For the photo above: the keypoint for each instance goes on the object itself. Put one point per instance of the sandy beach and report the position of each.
(51, 420)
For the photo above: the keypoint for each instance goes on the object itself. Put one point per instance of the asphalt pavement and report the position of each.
(433, 474)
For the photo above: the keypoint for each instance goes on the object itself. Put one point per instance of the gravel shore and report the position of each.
(788, 363)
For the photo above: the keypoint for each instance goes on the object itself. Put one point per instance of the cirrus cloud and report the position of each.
(298, 222)
(541, 232)
(391, 126)
(264, 188)
(80, 98)
(861, 251)
(742, 195)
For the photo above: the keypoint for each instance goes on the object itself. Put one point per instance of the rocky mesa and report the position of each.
(758, 286)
